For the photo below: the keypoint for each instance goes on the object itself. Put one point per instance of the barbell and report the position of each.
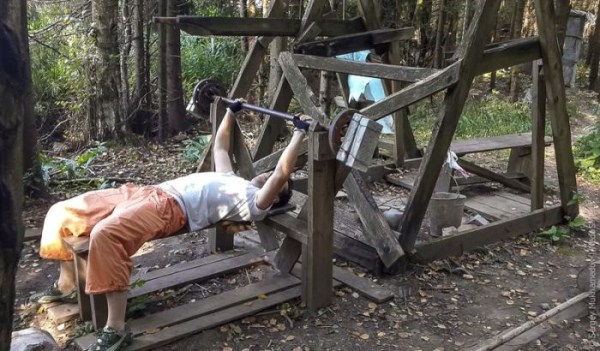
(207, 90)
(351, 136)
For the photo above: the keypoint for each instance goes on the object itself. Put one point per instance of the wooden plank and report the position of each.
(367, 69)
(459, 243)
(32, 234)
(500, 204)
(521, 199)
(268, 163)
(288, 254)
(268, 236)
(486, 173)
(314, 10)
(561, 130)
(195, 275)
(578, 310)
(366, 287)
(414, 92)
(501, 142)
(377, 231)
(538, 123)
(213, 303)
(212, 311)
(454, 101)
(63, 312)
(317, 254)
(344, 44)
(507, 54)
(346, 247)
(575, 306)
(305, 96)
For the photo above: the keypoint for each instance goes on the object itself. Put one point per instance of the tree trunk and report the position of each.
(516, 26)
(175, 104)
(595, 58)
(163, 121)
(243, 7)
(106, 120)
(124, 59)
(423, 18)
(12, 100)
(438, 50)
(32, 167)
(141, 89)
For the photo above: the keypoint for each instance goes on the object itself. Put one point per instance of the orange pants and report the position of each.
(118, 222)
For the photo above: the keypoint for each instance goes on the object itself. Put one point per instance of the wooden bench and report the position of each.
(519, 162)
(94, 307)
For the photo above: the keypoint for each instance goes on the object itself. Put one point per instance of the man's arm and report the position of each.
(223, 142)
(285, 166)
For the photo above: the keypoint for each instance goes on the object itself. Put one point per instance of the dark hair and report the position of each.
(284, 195)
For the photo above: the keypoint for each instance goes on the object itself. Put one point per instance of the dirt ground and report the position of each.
(450, 304)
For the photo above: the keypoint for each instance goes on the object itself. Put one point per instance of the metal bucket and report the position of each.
(445, 210)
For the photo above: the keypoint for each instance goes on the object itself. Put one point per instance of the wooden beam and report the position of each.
(459, 243)
(561, 130)
(439, 81)
(354, 42)
(538, 144)
(268, 163)
(268, 27)
(377, 231)
(443, 130)
(510, 53)
(486, 173)
(317, 256)
(305, 96)
(367, 69)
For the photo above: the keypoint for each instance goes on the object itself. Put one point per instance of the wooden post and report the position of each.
(555, 86)
(219, 240)
(443, 131)
(538, 144)
(317, 269)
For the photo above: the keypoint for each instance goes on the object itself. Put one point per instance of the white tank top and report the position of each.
(210, 197)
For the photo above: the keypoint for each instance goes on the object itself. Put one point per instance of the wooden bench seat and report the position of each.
(94, 308)
(511, 141)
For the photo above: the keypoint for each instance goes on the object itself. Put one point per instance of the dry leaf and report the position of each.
(290, 338)
(381, 334)
(151, 330)
(372, 305)
(404, 335)
(364, 336)
(262, 297)
(505, 293)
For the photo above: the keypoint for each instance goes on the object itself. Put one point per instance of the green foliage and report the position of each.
(587, 154)
(70, 168)
(215, 58)
(138, 304)
(60, 50)
(557, 234)
(484, 116)
(194, 148)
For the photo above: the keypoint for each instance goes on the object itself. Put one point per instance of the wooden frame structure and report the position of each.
(310, 235)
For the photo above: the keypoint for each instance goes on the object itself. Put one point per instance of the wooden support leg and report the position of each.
(317, 269)
(268, 236)
(83, 299)
(519, 160)
(288, 255)
(538, 113)
(99, 310)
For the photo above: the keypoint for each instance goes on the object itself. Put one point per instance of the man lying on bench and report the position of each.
(119, 221)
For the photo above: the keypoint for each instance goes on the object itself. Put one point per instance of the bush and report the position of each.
(587, 154)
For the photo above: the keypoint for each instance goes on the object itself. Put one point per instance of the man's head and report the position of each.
(285, 193)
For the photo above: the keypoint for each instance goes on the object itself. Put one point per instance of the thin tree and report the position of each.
(175, 104)
(106, 119)
(516, 27)
(595, 57)
(12, 98)
(438, 50)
